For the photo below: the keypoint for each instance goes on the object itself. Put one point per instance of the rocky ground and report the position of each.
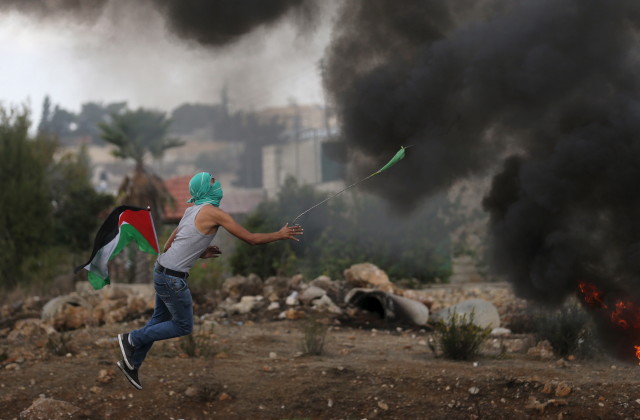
(250, 366)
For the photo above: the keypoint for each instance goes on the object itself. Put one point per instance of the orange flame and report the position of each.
(625, 314)
(592, 295)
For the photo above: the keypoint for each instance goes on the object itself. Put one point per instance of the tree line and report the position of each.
(214, 122)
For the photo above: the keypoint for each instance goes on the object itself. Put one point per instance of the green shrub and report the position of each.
(208, 389)
(460, 338)
(313, 337)
(58, 344)
(207, 275)
(197, 344)
(569, 330)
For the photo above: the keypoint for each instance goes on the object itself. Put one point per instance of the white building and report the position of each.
(303, 157)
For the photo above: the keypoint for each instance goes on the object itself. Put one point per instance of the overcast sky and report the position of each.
(128, 55)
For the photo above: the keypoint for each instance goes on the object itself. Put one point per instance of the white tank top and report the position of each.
(188, 244)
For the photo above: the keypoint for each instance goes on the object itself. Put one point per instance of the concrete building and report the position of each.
(303, 157)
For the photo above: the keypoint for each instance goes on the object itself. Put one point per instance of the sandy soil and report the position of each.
(253, 370)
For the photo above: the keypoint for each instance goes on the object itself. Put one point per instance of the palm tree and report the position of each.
(136, 135)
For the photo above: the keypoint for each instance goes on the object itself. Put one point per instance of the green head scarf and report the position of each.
(202, 191)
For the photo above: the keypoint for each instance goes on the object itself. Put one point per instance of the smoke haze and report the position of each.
(121, 50)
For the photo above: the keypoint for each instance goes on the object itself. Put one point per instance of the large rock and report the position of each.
(73, 317)
(367, 275)
(485, 314)
(50, 409)
(238, 286)
(311, 293)
(56, 305)
(391, 307)
(247, 304)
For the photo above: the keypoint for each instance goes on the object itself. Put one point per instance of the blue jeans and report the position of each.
(172, 316)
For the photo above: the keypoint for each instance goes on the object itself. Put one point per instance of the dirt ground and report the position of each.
(254, 370)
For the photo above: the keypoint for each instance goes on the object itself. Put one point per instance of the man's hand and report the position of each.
(291, 232)
(211, 252)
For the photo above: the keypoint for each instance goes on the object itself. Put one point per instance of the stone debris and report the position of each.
(273, 306)
(325, 304)
(49, 409)
(192, 391)
(246, 305)
(291, 314)
(32, 329)
(562, 390)
(383, 405)
(534, 404)
(106, 375)
(292, 299)
(542, 350)
(239, 286)
(276, 288)
(248, 297)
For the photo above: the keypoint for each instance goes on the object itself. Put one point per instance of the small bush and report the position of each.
(209, 390)
(197, 344)
(460, 338)
(569, 330)
(58, 344)
(207, 275)
(313, 338)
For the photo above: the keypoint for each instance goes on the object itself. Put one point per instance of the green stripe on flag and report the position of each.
(97, 281)
(127, 234)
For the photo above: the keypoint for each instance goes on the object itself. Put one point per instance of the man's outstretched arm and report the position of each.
(286, 232)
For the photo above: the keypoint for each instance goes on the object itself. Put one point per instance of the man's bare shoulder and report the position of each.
(214, 212)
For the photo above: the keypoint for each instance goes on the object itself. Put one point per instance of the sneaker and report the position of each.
(127, 350)
(131, 374)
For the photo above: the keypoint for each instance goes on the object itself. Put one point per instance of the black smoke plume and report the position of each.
(549, 88)
(211, 23)
(219, 22)
(545, 94)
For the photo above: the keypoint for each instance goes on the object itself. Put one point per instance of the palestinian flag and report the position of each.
(123, 225)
